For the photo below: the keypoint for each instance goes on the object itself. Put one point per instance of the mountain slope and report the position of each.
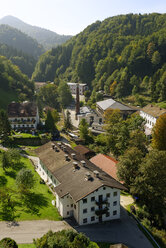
(25, 62)
(13, 84)
(123, 55)
(45, 37)
(16, 39)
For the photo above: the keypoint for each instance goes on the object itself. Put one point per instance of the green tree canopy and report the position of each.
(65, 96)
(25, 180)
(159, 133)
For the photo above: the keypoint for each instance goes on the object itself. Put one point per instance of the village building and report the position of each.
(151, 113)
(102, 106)
(73, 88)
(83, 191)
(23, 116)
(92, 117)
(106, 163)
(85, 151)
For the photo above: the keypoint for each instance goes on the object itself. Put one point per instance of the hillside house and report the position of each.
(73, 88)
(23, 116)
(83, 191)
(151, 113)
(102, 106)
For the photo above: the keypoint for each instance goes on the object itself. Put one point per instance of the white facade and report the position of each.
(105, 200)
(30, 122)
(73, 88)
(150, 120)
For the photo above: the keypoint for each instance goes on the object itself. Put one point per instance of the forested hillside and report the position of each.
(45, 37)
(13, 84)
(123, 55)
(25, 62)
(22, 42)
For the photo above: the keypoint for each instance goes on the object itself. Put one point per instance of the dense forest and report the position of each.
(25, 62)
(43, 36)
(13, 84)
(16, 39)
(124, 56)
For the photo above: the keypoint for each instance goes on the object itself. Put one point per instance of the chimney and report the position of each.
(56, 148)
(66, 157)
(77, 101)
(87, 176)
(96, 173)
(75, 165)
(53, 146)
(73, 155)
(59, 144)
(83, 163)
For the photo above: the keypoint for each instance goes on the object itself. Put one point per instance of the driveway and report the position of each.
(123, 231)
(26, 231)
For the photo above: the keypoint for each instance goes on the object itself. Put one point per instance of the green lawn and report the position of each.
(26, 246)
(34, 206)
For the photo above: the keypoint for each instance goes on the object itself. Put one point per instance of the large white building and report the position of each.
(151, 113)
(73, 88)
(23, 115)
(82, 190)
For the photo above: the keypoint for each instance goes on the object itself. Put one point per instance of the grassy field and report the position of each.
(26, 246)
(36, 205)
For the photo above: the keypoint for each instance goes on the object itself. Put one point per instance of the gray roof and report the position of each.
(72, 181)
(110, 103)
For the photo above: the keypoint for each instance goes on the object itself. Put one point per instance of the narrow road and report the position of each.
(26, 231)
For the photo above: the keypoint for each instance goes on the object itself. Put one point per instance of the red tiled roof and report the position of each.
(106, 163)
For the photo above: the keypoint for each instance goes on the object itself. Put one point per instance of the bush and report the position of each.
(8, 243)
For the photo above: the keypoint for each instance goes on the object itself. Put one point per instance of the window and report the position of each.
(74, 206)
(92, 198)
(71, 205)
(115, 212)
(92, 209)
(108, 195)
(108, 204)
(104, 188)
(67, 212)
(114, 203)
(84, 210)
(96, 190)
(107, 214)
(115, 193)
(85, 220)
(84, 200)
(67, 205)
(92, 218)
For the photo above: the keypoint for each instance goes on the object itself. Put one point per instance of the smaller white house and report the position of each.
(73, 88)
(151, 113)
(23, 116)
(93, 118)
(83, 191)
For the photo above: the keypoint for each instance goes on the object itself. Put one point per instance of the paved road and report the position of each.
(120, 231)
(25, 231)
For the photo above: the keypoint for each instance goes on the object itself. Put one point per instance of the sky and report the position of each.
(70, 17)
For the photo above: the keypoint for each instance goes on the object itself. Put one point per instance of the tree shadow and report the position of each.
(10, 174)
(3, 181)
(33, 202)
(18, 166)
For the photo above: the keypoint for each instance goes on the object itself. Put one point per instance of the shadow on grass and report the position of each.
(9, 214)
(33, 202)
(18, 166)
(10, 174)
(3, 181)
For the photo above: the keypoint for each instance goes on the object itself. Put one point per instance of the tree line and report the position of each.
(123, 55)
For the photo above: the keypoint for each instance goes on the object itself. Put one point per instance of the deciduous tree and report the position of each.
(159, 133)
